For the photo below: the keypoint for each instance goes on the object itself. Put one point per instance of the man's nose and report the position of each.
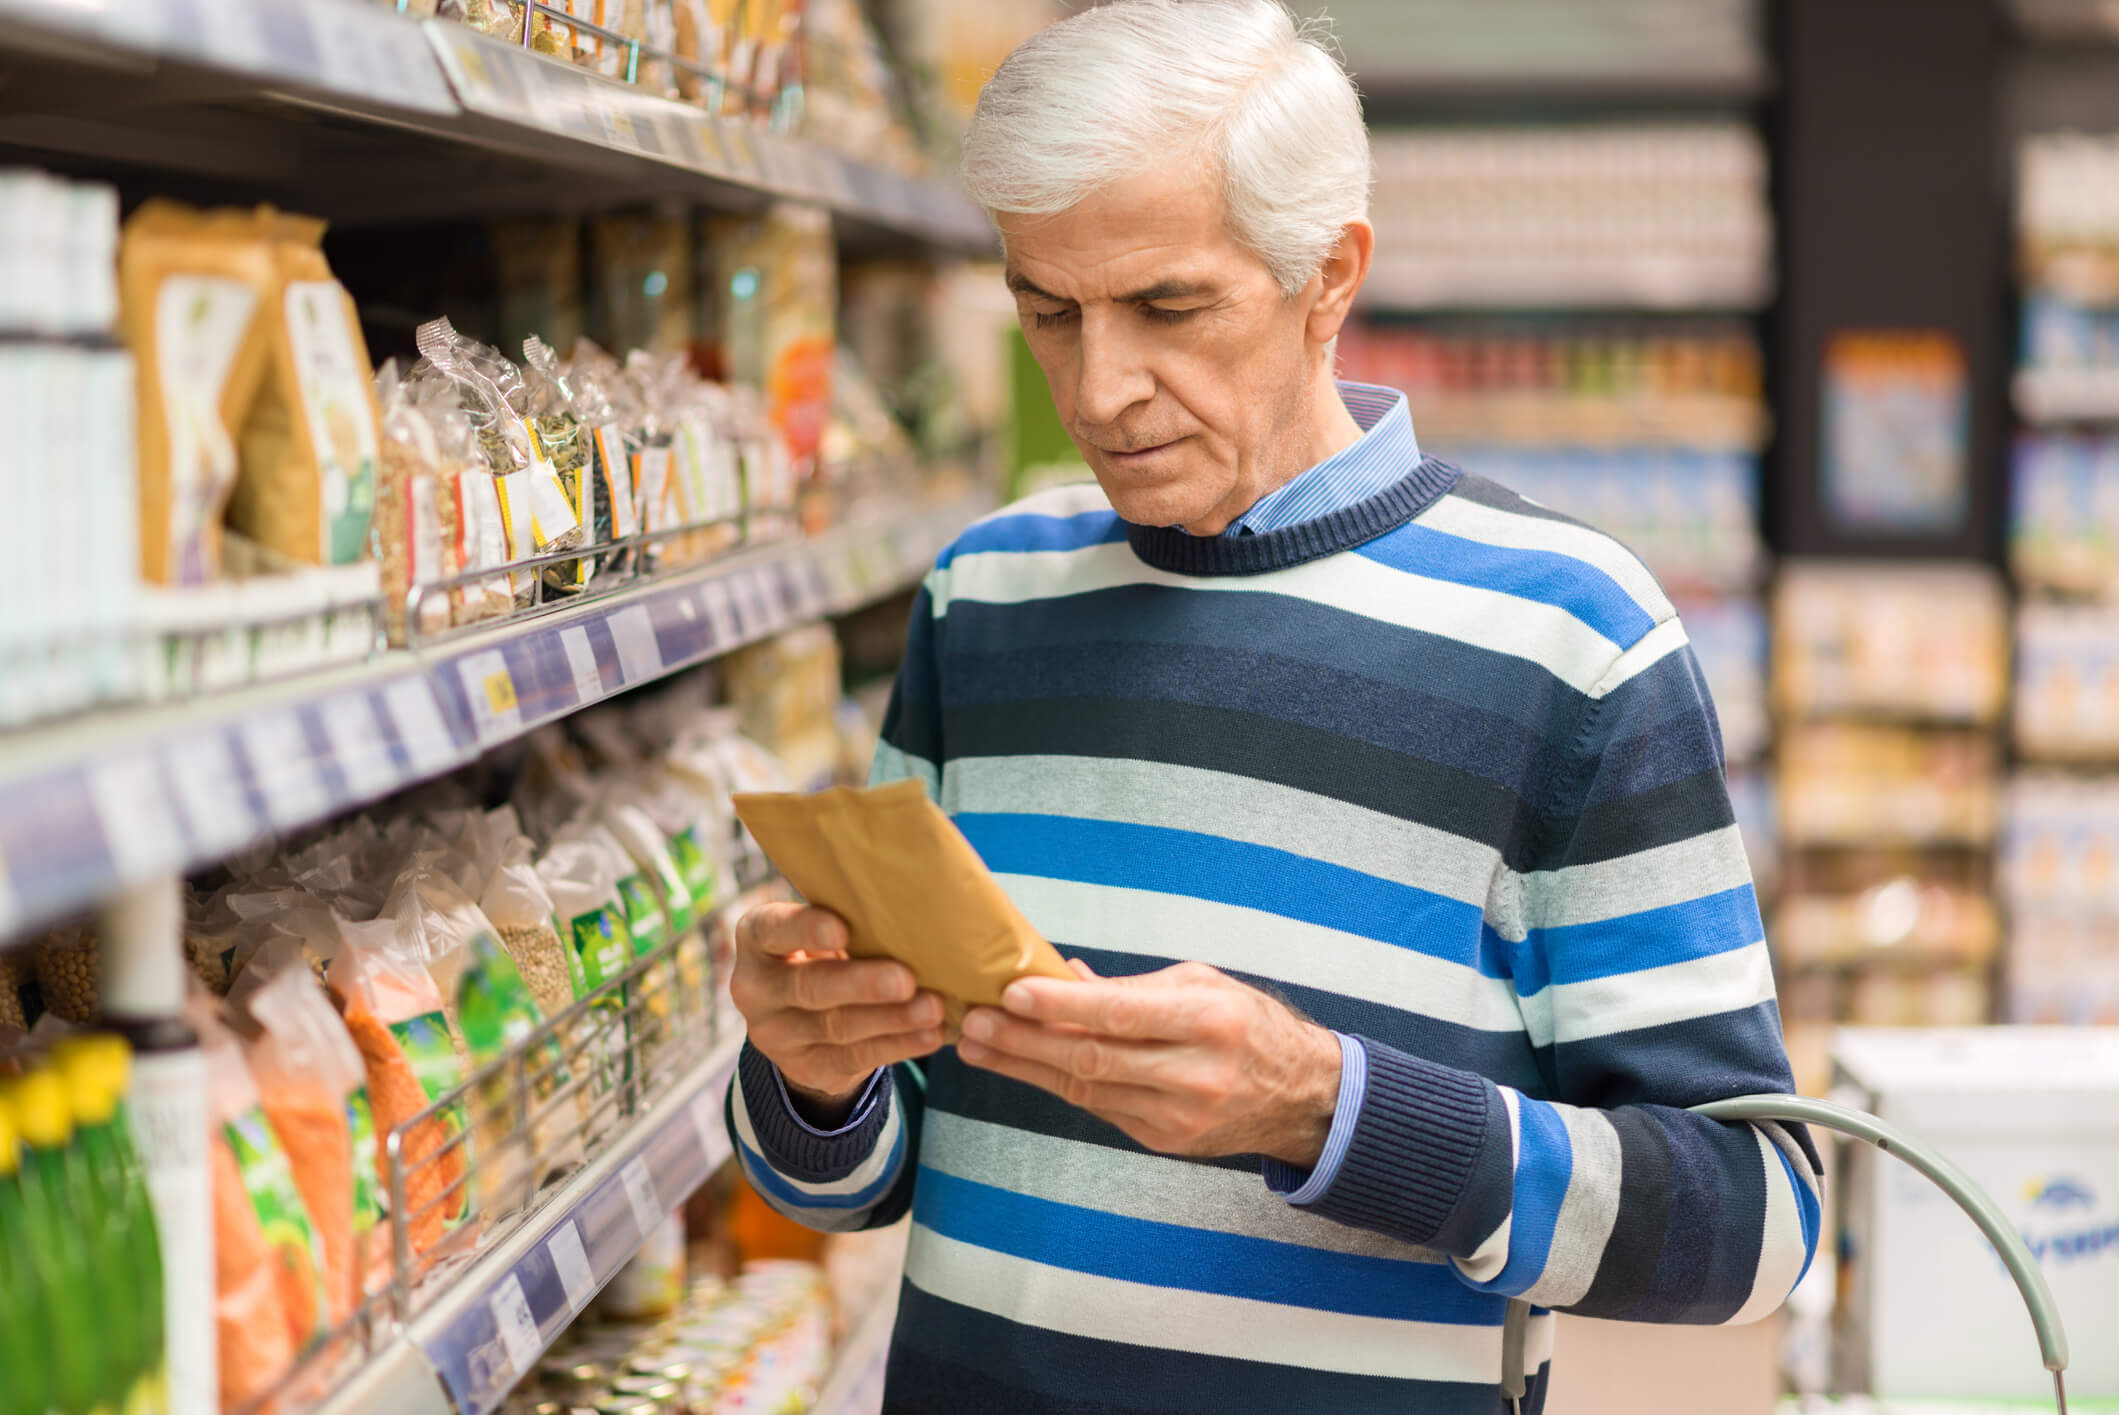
(1113, 376)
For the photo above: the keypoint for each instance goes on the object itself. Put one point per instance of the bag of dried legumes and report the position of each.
(582, 874)
(492, 1016)
(315, 1093)
(520, 906)
(269, 1301)
(393, 1012)
(474, 529)
(566, 440)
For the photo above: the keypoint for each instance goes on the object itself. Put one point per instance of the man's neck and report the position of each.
(1324, 429)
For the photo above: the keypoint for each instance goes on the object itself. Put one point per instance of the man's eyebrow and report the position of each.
(1160, 290)
(1167, 290)
(1023, 285)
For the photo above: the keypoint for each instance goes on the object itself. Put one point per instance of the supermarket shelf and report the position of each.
(856, 1383)
(347, 110)
(2063, 395)
(92, 804)
(475, 1339)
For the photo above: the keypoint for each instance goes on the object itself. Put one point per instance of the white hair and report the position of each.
(1233, 84)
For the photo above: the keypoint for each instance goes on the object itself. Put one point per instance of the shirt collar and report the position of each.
(1373, 461)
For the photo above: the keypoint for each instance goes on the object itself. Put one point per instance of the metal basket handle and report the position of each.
(1860, 1125)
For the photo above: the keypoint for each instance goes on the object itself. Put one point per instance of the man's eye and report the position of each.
(1047, 321)
(1162, 316)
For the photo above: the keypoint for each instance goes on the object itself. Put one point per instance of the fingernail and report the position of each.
(1016, 998)
(979, 1027)
(930, 1011)
(970, 1050)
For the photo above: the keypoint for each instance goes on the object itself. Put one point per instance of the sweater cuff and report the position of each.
(1291, 1183)
(1417, 1139)
(790, 1144)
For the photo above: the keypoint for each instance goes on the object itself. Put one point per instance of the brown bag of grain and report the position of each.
(311, 442)
(192, 288)
(908, 885)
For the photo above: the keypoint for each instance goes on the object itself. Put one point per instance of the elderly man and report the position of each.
(1381, 810)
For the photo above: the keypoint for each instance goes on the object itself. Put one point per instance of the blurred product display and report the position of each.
(1655, 216)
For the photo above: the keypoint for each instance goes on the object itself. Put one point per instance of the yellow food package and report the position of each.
(907, 883)
(193, 287)
(312, 442)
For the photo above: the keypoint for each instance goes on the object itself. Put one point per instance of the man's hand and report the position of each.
(1187, 1060)
(826, 1020)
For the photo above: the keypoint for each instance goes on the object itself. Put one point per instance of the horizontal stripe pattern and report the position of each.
(1456, 793)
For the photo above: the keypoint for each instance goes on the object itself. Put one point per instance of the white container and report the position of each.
(2032, 1115)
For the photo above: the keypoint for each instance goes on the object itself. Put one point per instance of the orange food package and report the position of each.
(393, 1012)
(314, 1089)
(269, 1303)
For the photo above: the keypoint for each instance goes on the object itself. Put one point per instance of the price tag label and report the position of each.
(231, 35)
(518, 1329)
(581, 660)
(490, 688)
(420, 728)
(138, 825)
(706, 1119)
(640, 1193)
(290, 45)
(210, 794)
(742, 155)
(572, 1263)
(686, 143)
(357, 742)
(285, 769)
(639, 656)
(720, 614)
(754, 603)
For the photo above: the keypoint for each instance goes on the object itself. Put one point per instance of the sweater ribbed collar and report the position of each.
(1167, 548)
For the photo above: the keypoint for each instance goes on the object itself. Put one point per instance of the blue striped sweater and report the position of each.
(1438, 768)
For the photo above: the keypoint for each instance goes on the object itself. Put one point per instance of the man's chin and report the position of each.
(1168, 503)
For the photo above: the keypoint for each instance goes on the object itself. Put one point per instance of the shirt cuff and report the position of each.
(855, 1118)
(789, 1143)
(1428, 1159)
(1289, 1182)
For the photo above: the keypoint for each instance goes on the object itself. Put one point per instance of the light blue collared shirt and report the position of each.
(1382, 455)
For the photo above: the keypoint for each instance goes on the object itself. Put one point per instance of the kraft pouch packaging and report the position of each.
(908, 885)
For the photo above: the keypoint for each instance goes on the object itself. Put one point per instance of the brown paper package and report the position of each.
(908, 885)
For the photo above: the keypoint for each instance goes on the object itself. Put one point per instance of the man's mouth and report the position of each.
(1120, 459)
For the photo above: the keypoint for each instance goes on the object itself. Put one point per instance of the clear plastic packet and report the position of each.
(295, 915)
(472, 518)
(609, 403)
(581, 874)
(658, 382)
(621, 812)
(269, 1296)
(539, 518)
(695, 823)
(565, 439)
(519, 904)
(393, 1012)
(414, 526)
(315, 1093)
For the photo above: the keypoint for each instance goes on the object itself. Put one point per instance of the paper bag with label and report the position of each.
(908, 885)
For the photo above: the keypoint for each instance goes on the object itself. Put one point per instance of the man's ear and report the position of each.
(1345, 266)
